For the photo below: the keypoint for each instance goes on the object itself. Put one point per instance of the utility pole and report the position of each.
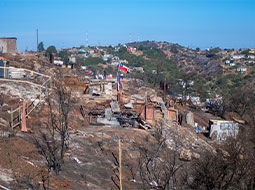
(37, 39)
(120, 167)
(165, 90)
(87, 39)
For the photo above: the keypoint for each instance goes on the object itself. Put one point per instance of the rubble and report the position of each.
(97, 121)
(115, 107)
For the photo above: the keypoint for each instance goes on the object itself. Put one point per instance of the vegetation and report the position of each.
(64, 55)
(50, 50)
(40, 47)
(157, 67)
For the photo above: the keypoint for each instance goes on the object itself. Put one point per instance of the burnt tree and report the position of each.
(52, 141)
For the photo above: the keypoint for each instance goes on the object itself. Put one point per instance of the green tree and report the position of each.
(40, 47)
(64, 55)
(50, 50)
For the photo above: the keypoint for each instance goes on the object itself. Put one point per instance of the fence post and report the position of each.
(19, 116)
(11, 119)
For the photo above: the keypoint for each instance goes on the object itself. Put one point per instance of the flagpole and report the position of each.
(118, 86)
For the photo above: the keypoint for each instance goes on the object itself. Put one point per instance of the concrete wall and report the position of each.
(149, 112)
(8, 45)
(172, 114)
(223, 130)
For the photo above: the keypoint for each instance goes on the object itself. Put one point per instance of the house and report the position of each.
(195, 100)
(221, 129)
(227, 62)
(82, 51)
(8, 45)
(237, 57)
(213, 103)
(241, 69)
(106, 57)
(131, 49)
(124, 61)
(91, 51)
(251, 56)
(115, 58)
(249, 62)
(58, 61)
(115, 63)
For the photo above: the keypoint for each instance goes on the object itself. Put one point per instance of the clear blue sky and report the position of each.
(193, 23)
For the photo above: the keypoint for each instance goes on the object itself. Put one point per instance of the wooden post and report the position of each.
(27, 107)
(19, 114)
(120, 167)
(165, 90)
(40, 93)
(90, 119)
(11, 118)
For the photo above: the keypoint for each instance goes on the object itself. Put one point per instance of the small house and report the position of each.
(241, 69)
(251, 56)
(227, 62)
(131, 49)
(8, 45)
(106, 57)
(237, 56)
(58, 61)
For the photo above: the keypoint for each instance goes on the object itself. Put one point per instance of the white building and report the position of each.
(237, 57)
(227, 62)
(107, 57)
(241, 69)
(251, 56)
(221, 129)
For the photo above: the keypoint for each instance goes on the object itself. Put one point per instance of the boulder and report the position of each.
(185, 155)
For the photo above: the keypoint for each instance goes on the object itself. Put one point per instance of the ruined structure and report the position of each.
(221, 129)
(8, 45)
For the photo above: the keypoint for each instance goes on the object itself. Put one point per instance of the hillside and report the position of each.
(186, 59)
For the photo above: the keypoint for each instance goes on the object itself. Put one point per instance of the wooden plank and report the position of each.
(22, 81)
(23, 69)
(3, 125)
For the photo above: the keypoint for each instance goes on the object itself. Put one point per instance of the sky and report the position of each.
(191, 23)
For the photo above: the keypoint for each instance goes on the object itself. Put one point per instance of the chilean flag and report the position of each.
(123, 68)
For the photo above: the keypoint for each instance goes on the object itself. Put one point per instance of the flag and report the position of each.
(123, 68)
